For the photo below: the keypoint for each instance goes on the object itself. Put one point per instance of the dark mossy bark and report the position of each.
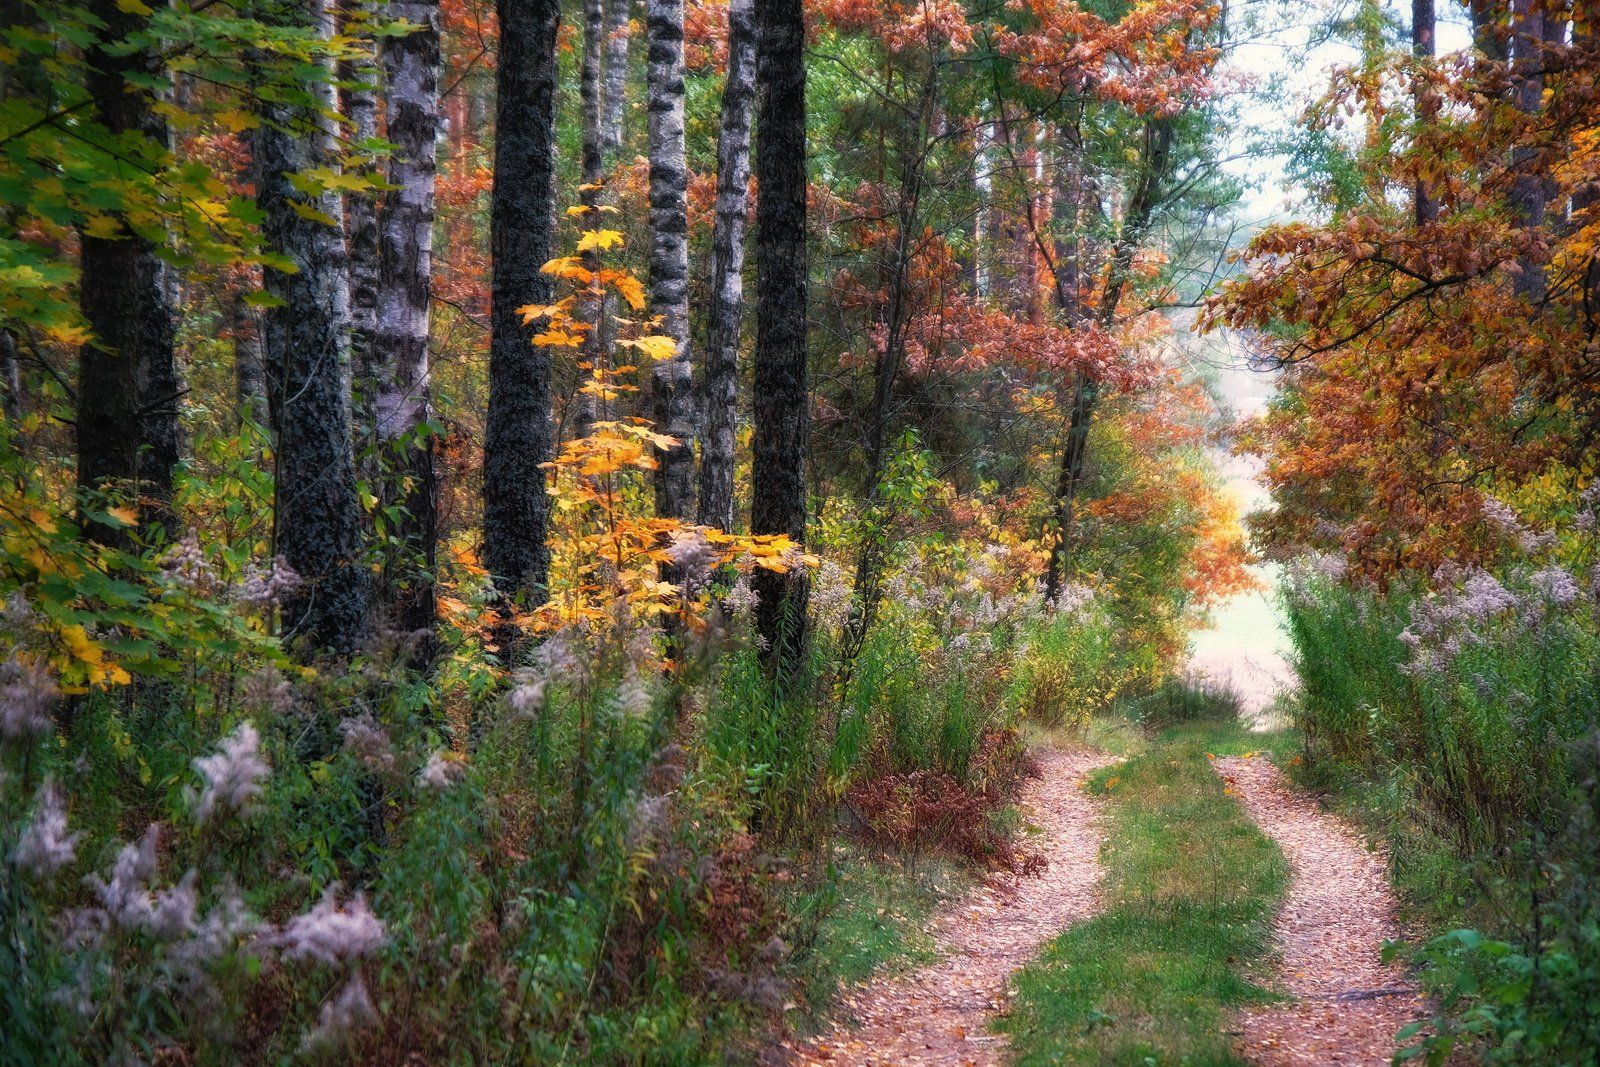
(778, 476)
(518, 438)
(129, 390)
(318, 521)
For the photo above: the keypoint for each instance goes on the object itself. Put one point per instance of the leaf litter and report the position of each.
(1348, 1004)
(939, 1014)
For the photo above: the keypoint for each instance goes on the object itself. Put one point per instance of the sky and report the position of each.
(1279, 55)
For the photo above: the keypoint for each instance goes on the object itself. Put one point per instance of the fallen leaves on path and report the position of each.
(1338, 912)
(939, 1014)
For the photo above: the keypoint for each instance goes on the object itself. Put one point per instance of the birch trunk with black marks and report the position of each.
(518, 437)
(318, 521)
(778, 471)
(405, 269)
(129, 389)
(983, 188)
(1137, 217)
(619, 36)
(721, 379)
(671, 380)
(358, 100)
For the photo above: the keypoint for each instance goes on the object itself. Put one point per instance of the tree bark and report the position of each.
(249, 372)
(592, 308)
(518, 437)
(671, 380)
(721, 381)
(306, 343)
(129, 389)
(983, 190)
(619, 36)
(778, 483)
(359, 104)
(405, 270)
(1488, 35)
(1425, 207)
(1529, 190)
(10, 379)
(1136, 220)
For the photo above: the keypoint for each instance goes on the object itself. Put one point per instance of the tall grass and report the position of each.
(1464, 723)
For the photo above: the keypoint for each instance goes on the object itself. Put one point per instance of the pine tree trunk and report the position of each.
(778, 476)
(10, 379)
(721, 384)
(592, 309)
(516, 507)
(249, 372)
(306, 344)
(1136, 219)
(1426, 208)
(129, 390)
(671, 380)
(1529, 190)
(618, 37)
(405, 261)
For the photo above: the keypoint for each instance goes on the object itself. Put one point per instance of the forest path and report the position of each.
(1330, 932)
(939, 1014)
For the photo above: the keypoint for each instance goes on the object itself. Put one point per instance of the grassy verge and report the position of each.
(870, 915)
(1192, 886)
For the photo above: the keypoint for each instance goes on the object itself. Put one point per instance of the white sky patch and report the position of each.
(1284, 50)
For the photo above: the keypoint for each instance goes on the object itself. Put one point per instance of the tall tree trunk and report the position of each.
(1488, 31)
(720, 388)
(358, 99)
(1136, 220)
(983, 189)
(778, 476)
(592, 309)
(1425, 207)
(318, 516)
(619, 35)
(1529, 190)
(672, 380)
(405, 262)
(10, 379)
(516, 507)
(129, 389)
(249, 371)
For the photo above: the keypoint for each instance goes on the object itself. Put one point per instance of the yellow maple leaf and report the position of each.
(654, 346)
(568, 267)
(599, 240)
(629, 287)
(126, 514)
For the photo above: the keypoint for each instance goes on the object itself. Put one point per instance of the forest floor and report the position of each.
(939, 1014)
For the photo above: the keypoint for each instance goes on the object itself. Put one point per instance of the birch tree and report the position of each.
(721, 380)
(672, 379)
(405, 266)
